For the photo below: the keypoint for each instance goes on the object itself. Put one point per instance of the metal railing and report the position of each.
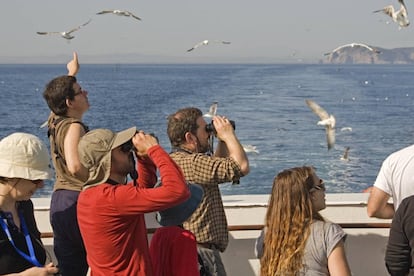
(253, 227)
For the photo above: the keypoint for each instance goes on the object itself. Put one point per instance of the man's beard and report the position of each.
(203, 148)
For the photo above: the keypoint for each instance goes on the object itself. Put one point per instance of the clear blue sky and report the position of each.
(259, 31)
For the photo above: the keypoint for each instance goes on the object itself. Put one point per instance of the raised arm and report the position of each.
(229, 145)
(146, 168)
(73, 65)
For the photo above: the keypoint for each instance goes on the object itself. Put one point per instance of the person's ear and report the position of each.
(190, 138)
(68, 102)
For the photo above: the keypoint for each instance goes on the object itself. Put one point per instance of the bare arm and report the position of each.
(337, 262)
(378, 205)
(73, 65)
(230, 145)
(75, 132)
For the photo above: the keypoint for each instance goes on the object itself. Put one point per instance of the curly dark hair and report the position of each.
(57, 91)
(181, 122)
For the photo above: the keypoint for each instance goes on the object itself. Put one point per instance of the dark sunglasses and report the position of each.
(127, 147)
(81, 91)
(321, 186)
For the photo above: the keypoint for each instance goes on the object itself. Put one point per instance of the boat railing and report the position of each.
(253, 227)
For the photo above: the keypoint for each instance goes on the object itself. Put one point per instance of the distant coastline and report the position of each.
(355, 53)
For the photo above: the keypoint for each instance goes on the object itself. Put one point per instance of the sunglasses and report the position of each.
(81, 91)
(321, 186)
(127, 147)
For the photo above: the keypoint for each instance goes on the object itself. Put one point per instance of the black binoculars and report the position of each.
(211, 129)
(129, 146)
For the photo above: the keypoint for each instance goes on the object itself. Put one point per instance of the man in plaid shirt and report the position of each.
(189, 139)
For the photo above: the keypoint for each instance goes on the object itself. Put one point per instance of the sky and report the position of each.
(262, 31)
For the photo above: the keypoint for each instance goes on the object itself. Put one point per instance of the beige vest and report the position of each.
(58, 127)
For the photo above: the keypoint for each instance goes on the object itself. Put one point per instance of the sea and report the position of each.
(373, 106)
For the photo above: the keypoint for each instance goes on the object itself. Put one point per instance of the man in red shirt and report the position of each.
(111, 211)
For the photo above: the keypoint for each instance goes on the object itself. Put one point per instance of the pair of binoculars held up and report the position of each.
(211, 129)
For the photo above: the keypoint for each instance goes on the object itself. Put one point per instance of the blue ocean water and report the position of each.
(267, 102)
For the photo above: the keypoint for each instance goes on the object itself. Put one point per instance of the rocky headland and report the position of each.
(359, 53)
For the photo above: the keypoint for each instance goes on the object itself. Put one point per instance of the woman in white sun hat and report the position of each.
(24, 164)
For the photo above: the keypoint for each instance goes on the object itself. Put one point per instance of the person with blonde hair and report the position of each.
(296, 239)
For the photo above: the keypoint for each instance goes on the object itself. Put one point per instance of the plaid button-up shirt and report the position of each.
(208, 222)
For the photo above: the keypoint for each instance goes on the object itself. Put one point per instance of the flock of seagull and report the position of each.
(69, 34)
(327, 120)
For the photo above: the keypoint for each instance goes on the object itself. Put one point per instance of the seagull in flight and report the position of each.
(206, 42)
(250, 148)
(212, 111)
(120, 13)
(327, 120)
(68, 34)
(400, 17)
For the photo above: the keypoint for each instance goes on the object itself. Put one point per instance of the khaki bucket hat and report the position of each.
(95, 152)
(24, 155)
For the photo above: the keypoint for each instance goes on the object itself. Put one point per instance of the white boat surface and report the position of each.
(365, 244)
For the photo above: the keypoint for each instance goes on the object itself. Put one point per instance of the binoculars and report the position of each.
(211, 129)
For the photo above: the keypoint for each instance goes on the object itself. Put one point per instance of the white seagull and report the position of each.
(327, 120)
(206, 42)
(68, 34)
(400, 17)
(212, 111)
(250, 148)
(120, 13)
(352, 45)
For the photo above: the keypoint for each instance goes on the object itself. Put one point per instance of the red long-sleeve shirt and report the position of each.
(111, 217)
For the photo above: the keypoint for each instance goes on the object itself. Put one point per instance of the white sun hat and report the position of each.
(24, 155)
